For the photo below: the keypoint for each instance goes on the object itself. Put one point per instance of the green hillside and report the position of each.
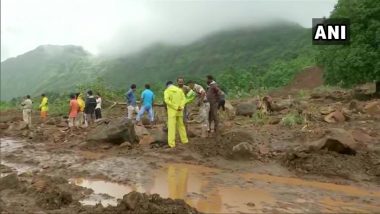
(59, 68)
(239, 49)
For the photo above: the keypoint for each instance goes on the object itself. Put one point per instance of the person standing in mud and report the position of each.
(175, 101)
(213, 96)
(98, 108)
(27, 106)
(147, 100)
(186, 90)
(44, 108)
(131, 102)
(73, 111)
(81, 104)
(89, 109)
(204, 106)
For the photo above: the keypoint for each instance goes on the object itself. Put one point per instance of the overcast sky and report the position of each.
(114, 27)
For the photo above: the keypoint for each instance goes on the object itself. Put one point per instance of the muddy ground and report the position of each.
(262, 163)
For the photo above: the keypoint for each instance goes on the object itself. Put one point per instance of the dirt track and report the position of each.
(57, 169)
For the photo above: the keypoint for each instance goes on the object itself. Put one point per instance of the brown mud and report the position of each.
(255, 165)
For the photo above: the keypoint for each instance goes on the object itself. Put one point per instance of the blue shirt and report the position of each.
(147, 97)
(131, 98)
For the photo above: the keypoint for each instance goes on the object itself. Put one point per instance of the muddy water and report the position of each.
(214, 191)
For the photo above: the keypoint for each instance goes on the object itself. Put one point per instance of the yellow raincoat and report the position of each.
(81, 103)
(175, 99)
(44, 104)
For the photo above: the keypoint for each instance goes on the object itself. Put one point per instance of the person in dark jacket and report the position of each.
(89, 109)
(214, 95)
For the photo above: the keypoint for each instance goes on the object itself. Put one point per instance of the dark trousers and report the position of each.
(221, 104)
(213, 115)
(98, 113)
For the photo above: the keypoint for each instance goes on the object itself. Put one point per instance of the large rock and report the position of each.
(338, 140)
(117, 131)
(373, 108)
(230, 110)
(335, 117)
(159, 136)
(18, 126)
(246, 109)
(242, 150)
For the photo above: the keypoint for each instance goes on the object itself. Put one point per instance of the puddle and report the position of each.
(214, 191)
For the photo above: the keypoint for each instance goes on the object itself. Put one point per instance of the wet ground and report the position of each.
(257, 165)
(208, 189)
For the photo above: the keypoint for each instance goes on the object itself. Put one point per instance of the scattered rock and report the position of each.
(106, 146)
(372, 108)
(4, 126)
(326, 110)
(335, 117)
(158, 136)
(9, 182)
(242, 150)
(338, 140)
(274, 120)
(251, 204)
(145, 121)
(245, 109)
(126, 145)
(362, 137)
(141, 131)
(18, 126)
(117, 132)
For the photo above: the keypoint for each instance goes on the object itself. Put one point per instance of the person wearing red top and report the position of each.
(74, 109)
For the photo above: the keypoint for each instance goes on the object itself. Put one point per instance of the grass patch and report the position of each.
(292, 119)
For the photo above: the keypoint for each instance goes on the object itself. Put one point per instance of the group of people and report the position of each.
(177, 97)
(81, 112)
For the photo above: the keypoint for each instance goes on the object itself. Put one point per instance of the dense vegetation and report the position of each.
(263, 57)
(358, 62)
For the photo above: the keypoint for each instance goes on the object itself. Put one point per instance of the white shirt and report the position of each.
(98, 103)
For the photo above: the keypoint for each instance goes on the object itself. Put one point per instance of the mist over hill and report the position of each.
(52, 68)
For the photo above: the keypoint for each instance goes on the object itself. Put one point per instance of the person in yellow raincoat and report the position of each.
(44, 107)
(80, 117)
(175, 101)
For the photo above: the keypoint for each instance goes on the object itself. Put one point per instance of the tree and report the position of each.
(358, 62)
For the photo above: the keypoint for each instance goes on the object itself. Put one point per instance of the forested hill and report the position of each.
(59, 68)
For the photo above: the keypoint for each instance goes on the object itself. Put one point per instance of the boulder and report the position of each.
(117, 132)
(372, 108)
(132, 200)
(145, 121)
(361, 136)
(126, 145)
(242, 150)
(158, 136)
(326, 110)
(4, 126)
(141, 131)
(231, 111)
(18, 126)
(246, 109)
(337, 140)
(335, 117)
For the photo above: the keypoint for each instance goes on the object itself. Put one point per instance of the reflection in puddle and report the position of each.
(202, 188)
